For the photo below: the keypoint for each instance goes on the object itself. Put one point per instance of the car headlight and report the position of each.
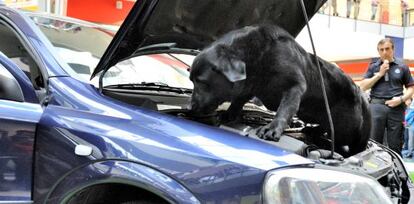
(321, 186)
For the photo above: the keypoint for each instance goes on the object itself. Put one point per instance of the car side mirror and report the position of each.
(9, 87)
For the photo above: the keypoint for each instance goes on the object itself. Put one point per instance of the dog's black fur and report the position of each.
(265, 61)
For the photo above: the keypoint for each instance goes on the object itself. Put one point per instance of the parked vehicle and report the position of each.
(90, 116)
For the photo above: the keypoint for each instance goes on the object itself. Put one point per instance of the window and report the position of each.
(11, 45)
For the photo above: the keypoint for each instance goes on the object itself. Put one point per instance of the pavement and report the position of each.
(409, 164)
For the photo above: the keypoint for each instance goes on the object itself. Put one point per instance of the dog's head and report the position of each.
(214, 72)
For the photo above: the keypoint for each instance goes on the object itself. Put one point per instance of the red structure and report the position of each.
(111, 12)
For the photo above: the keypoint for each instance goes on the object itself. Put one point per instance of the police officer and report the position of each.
(387, 77)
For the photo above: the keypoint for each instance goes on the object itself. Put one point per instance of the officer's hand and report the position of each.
(384, 68)
(394, 102)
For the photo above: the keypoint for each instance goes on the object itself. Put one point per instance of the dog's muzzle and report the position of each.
(193, 106)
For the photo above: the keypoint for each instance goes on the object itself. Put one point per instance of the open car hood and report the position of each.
(155, 25)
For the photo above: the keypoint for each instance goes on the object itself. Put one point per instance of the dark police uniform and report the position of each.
(385, 118)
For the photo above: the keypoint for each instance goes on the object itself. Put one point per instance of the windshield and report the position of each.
(165, 69)
(81, 45)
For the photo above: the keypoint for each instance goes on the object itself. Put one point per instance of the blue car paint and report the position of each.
(100, 115)
(211, 163)
(198, 156)
(17, 132)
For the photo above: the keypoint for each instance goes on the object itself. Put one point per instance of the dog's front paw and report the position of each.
(268, 132)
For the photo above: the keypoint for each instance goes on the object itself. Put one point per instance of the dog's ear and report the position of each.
(234, 69)
(230, 66)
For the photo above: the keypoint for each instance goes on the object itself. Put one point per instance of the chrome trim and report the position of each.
(16, 202)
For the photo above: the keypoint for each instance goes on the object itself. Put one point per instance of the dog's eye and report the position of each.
(198, 81)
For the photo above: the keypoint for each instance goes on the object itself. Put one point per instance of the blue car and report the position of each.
(92, 115)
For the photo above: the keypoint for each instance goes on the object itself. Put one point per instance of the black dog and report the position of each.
(265, 61)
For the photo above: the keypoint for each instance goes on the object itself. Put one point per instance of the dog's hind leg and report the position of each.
(288, 106)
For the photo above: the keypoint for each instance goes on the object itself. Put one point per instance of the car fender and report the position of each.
(119, 171)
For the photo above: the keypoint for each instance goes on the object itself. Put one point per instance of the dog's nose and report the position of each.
(188, 107)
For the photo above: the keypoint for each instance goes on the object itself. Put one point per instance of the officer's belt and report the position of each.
(379, 100)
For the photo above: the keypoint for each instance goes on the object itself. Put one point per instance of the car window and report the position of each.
(9, 87)
(164, 69)
(11, 45)
(79, 44)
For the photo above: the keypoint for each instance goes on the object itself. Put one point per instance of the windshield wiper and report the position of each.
(153, 86)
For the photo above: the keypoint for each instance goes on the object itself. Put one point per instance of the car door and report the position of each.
(20, 112)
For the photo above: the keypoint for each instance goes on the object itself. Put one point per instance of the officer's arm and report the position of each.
(368, 83)
(408, 93)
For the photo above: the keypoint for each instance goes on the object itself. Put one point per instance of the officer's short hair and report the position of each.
(381, 42)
